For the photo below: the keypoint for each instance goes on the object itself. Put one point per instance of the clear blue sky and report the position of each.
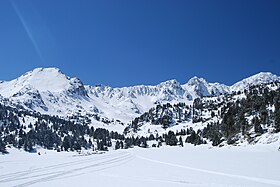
(129, 42)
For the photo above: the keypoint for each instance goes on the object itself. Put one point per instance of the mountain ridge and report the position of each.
(50, 91)
(256, 76)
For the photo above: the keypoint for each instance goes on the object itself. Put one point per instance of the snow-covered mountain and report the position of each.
(44, 107)
(133, 101)
(260, 78)
(43, 80)
(199, 87)
(46, 90)
(49, 91)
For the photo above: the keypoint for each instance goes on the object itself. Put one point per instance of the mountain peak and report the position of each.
(41, 79)
(171, 83)
(51, 70)
(196, 80)
(199, 87)
(262, 77)
(44, 79)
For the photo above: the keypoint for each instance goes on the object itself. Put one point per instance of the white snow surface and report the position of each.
(200, 87)
(260, 78)
(41, 79)
(192, 166)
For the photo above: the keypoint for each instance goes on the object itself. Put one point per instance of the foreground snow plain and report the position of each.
(201, 166)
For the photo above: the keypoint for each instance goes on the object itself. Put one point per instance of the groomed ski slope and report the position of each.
(167, 166)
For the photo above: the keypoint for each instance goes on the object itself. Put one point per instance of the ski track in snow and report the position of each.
(260, 180)
(65, 170)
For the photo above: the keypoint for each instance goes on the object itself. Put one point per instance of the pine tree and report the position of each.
(257, 125)
(243, 123)
(28, 145)
(2, 147)
(66, 143)
(171, 139)
(212, 114)
(277, 115)
(117, 146)
(181, 141)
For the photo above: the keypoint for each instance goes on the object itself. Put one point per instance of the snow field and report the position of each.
(254, 166)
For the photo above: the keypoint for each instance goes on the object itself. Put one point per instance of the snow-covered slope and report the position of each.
(199, 87)
(46, 90)
(133, 101)
(43, 80)
(260, 78)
